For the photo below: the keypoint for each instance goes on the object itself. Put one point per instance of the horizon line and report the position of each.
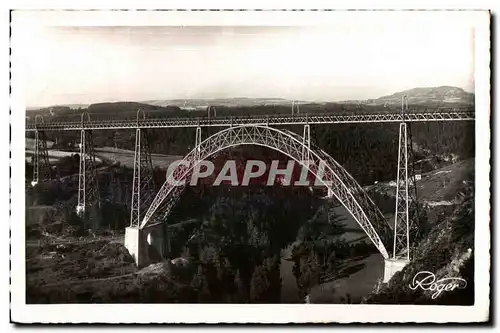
(144, 101)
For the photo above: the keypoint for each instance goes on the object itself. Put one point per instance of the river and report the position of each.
(361, 273)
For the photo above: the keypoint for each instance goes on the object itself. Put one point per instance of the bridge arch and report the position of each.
(335, 177)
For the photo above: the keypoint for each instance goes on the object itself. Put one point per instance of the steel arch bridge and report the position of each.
(319, 163)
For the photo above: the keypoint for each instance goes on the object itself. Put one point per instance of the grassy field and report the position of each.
(435, 186)
(126, 157)
(443, 184)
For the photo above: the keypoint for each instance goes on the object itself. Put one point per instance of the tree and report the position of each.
(256, 238)
(274, 278)
(200, 285)
(325, 224)
(241, 288)
(259, 285)
(310, 273)
(210, 259)
(225, 273)
(186, 253)
(314, 268)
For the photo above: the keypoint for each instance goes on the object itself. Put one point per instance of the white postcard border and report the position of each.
(238, 313)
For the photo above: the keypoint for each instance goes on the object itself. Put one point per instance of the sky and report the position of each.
(88, 64)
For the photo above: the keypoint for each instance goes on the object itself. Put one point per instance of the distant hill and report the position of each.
(61, 106)
(119, 107)
(230, 102)
(427, 95)
(442, 96)
(54, 108)
(125, 110)
(187, 104)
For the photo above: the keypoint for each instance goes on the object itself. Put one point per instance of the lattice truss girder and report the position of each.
(441, 115)
(143, 185)
(343, 186)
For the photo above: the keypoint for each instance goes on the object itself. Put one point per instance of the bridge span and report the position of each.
(266, 120)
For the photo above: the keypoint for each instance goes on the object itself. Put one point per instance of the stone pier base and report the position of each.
(146, 245)
(392, 266)
(133, 243)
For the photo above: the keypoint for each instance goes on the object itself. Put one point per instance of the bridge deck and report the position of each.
(255, 120)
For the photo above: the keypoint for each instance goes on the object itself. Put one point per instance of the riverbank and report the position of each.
(358, 276)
